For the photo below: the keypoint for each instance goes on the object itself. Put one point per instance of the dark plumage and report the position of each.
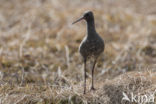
(91, 46)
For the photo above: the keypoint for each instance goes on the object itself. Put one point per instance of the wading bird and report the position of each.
(91, 46)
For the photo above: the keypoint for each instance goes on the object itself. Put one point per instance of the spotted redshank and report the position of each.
(91, 46)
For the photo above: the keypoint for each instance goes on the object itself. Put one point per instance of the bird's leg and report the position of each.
(84, 76)
(92, 86)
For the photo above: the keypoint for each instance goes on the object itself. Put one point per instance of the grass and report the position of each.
(39, 59)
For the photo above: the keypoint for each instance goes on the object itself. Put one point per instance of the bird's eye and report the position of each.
(87, 14)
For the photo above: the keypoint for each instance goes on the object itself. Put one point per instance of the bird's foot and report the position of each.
(92, 89)
(84, 92)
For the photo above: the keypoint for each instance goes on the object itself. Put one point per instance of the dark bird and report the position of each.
(91, 46)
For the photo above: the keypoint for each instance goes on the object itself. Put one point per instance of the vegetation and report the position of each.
(39, 59)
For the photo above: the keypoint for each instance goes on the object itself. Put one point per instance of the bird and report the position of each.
(92, 45)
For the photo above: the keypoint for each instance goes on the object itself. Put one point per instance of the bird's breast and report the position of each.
(91, 47)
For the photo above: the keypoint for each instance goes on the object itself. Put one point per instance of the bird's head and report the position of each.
(88, 16)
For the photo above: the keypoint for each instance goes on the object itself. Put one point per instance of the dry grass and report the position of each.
(39, 59)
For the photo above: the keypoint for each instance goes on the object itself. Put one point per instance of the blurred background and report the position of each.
(39, 44)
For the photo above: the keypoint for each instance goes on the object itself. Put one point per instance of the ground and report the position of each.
(40, 62)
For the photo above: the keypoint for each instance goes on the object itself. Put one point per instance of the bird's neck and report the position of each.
(91, 28)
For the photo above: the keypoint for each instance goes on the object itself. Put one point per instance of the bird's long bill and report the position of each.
(78, 20)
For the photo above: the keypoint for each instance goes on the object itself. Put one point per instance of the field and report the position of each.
(40, 62)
